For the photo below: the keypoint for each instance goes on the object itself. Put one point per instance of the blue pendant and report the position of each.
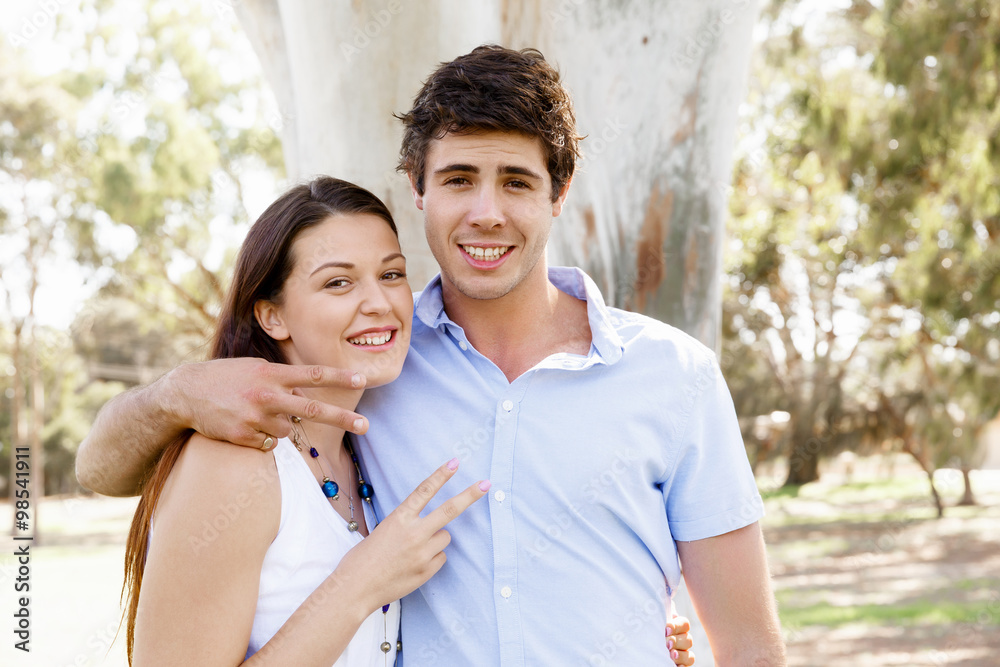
(313, 453)
(365, 490)
(330, 489)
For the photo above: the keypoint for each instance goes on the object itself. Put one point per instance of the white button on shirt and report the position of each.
(462, 344)
(499, 495)
(508, 406)
(505, 592)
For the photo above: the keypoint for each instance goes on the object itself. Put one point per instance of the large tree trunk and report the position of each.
(803, 460)
(967, 496)
(656, 84)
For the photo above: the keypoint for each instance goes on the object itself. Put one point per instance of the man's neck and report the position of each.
(519, 329)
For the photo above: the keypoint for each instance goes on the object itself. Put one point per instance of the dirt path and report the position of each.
(866, 576)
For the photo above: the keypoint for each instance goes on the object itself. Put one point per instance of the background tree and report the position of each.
(654, 88)
(129, 168)
(865, 214)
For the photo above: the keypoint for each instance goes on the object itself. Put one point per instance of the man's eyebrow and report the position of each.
(502, 169)
(520, 171)
(468, 168)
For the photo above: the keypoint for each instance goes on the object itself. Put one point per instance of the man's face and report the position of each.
(487, 211)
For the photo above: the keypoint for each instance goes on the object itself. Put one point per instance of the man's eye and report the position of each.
(518, 184)
(457, 180)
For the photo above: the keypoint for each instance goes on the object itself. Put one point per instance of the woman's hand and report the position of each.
(679, 641)
(405, 550)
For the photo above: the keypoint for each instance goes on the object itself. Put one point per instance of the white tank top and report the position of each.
(312, 538)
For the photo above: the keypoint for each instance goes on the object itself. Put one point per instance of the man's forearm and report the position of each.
(126, 439)
(729, 584)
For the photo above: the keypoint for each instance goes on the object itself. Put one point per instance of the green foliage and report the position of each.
(129, 163)
(865, 219)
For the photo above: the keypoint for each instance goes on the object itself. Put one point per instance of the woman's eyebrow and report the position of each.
(339, 265)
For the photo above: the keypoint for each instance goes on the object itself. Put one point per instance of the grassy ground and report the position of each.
(76, 577)
(864, 573)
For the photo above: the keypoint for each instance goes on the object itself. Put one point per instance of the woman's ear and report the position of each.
(269, 318)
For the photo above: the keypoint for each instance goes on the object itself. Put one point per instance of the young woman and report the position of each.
(241, 557)
(237, 556)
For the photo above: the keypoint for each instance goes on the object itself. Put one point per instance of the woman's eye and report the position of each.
(337, 282)
(393, 275)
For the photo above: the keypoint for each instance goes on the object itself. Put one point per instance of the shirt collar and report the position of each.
(429, 309)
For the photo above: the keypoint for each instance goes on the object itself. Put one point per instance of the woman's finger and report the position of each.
(678, 625)
(457, 504)
(417, 501)
(685, 658)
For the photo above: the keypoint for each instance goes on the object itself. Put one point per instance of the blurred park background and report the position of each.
(856, 312)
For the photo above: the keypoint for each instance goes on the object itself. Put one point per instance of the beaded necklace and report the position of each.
(332, 491)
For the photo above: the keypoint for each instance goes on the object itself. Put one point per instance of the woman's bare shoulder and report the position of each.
(212, 476)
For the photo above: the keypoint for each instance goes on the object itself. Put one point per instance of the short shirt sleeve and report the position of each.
(711, 489)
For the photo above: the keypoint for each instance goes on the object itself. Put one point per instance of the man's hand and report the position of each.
(679, 641)
(235, 400)
(244, 400)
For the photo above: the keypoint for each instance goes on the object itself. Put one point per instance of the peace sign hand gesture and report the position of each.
(406, 550)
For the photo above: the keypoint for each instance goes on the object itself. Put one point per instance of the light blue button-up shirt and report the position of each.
(598, 464)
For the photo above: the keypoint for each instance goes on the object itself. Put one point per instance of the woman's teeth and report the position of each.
(371, 339)
(486, 254)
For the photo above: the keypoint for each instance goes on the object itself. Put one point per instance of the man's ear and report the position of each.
(418, 198)
(557, 205)
(269, 318)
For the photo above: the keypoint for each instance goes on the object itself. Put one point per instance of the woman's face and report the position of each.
(347, 302)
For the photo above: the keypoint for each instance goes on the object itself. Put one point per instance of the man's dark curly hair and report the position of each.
(493, 88)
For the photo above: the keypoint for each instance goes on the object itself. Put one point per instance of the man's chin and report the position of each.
(488, 289)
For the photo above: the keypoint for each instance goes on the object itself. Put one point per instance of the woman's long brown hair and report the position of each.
(264, 263)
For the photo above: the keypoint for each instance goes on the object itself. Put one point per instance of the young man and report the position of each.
(609, 438)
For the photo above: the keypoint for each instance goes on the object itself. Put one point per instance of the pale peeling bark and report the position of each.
(656, 85)
(352, 64)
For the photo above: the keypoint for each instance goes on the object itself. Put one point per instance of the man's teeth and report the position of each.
(487, 254)
(371, 339)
